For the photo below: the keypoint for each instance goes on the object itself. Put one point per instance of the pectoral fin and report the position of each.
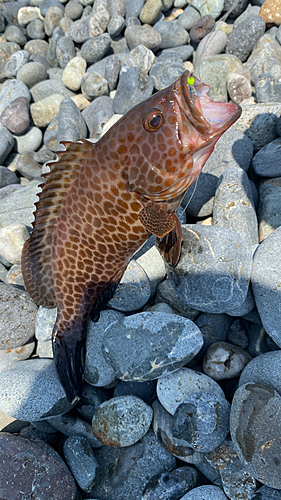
(170, 245)
(156, 221)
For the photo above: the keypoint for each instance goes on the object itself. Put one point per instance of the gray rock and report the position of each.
(269, 210)
(30, 390)
(214, 328)
(224, 360)
(71, 124)
(48, 88)
(238, 334)
(46, 4)
(81, 460)
(19, 205)
(74, 426)
(35, 29)
(16, 116)
(165, 73)
(265, 284)
(73, 10)
(134, 87)
(162, 426)
(116, 7)
(264, 369)
(137, 464)
(31, 456)
(93, 85)
(32, 73)
(266, 160)
(171, 484)
(10, 90)
(109, 68)
(214, 269)
(133, 7)
(150, 12)
(153, 265)
(97, 371)
(166, 343)
(92, 397)
(44, 323)
(232, 149)
(6, 50)
(96, 48)
(17, 317)
(50, 135)
(7, 177)
(143, 35)
(182, 52)
(206, 492)
(188, 18)
(52, 48)
(79, 31)
(11, 356)
(254, 422)
(28, 167)
(44, 155)
(121, 421)
(15, 34)
(244, 37)
(238, 87)
(266, 54)
(28, 142)
(52, 19)
(202, 420)
(97, 114)
(175, 388)
(65, 50)
(172, 34)
(234, 205)
(268, 88)
(116, 25)
(266, 493)
(6, 144)
(133, 291)
(212, 44)
(166, 293)
(38, 47)
(15, 63)
(213, 8)
(142, 390)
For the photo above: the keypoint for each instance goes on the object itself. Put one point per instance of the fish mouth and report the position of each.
(199, 117)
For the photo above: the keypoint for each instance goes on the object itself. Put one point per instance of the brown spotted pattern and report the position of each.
(101, 202)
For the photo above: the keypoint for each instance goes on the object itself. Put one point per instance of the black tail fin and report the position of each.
(69, 357)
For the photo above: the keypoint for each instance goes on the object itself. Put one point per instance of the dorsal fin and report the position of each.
(36, 254)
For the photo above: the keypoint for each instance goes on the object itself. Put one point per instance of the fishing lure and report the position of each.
(102, 201)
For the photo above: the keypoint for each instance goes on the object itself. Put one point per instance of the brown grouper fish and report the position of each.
(102, 201)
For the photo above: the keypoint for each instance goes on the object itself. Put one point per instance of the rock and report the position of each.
(12, 239)
(35, 29)
(265, 283)
(6, 144)
(71, 124)
(16, 116)
(234, 205)
(65, 50)
(263, 369)
(73, 73)
(171, 484)
(137, 464)
(71, 425)
(173, 389)
(164, 74)
(32, 73)
(49, 88)
(202, 420)
(166, 293)
(28, 142)
(214, 71)
(108, 68)
(73, 10)
(214, 328)
(10, 90)
(50, 135)
(268, 89)
(15, 62)
(224, 360)
(81, 460)
(30, 390)
(97, 114)
(202, 28)
(172, 34)
(38, 47)
(266, 54)
(265, 161)
(134, 86)
(270, 12)
(10, 356)
(153, 265)
(122, 421)
(93, 85)
(98, 23)
(189, 17)
(210, 7)
(7, 177)
(212, 44)
(52, 19)
(45, 110)
(27, 14)
(205, 248)
(258, 122)
(143, 35)
(15, 34)
(150, 11)
(238, 87)
(92, 397)
(244, 36)
(266, 493)
(167, 342)
(96, 48)
(133, 291)
(28, 167)
(116, 25)
(261, 424)
(269, 211)
(20, 454)
(142, 390)
(206, 492)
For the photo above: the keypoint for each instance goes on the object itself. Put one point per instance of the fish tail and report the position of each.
(69, 357)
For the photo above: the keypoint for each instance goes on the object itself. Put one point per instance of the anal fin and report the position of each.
(170, 245)
(156, 220)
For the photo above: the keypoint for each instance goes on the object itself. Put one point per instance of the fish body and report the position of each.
(102, 201)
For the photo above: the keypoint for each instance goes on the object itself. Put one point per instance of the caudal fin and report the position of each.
(69, 357)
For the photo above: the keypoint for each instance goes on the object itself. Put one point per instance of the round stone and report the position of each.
(165, 73)
(32, 73)
(239, 87)
(16, 116)
(73, 73)
(65, 50)
(224, 360)
(207, 492)
(35, 29)
(269, 206)
(202, 28)
(15, 34)
(171, 484)
(244, 37)
(94, 85)
(81, 460)
(12, 239)
(45, 110)
(134, 86)
(143, 35)
(171, 33)
(121, 421)
(15, 62)
(150, 11)
(96, 48)
(133, 291)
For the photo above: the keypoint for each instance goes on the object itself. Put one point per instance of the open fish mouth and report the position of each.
(198, 115)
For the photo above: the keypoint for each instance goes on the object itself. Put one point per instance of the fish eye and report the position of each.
(153, 120)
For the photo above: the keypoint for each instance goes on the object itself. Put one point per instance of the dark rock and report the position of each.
(165, 73)
(244, 37)
(172, 34)
(214, 328)
(134, 86)
(143, 35)
(74, 426)
(16, 116)
(202, 28)
(81, 460)
(171, 485)
(143, 390)
(7, 177)
(65, 50)
(96, 48)
(6, 144)
(97, 114)
(71, 124)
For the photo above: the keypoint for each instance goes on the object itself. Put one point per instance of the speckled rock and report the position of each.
(73, 73)
(266, 160)
(214, 71)
(96, 48)
(266, 54)
(71, 124)
(15, 62)
(94, 85)
(45, 110)
(17, 317)
(30, 390)
(134, 86)
(171, 33)
(98, 23)
(234, 205)
(137, 464)
(133, 7)
(164, 73)
(39, 47)
(16, 116)
(238, 87)
(270, 12)
(210, 275)
(121, 421)
(133, 291)
(97, 371)
(244, 36)
(27, 14)
(171, 484)
(268, 88)
(207, 492)
(167, 342)
(73, 10)
(65, 50)
(81, 460)
(269, 211)
(224, 360)
(266, 493)
(23, 459)
(255, 431)
(175, 388)
(52, 19)
(79, 30)
(143, 35)
(202, 420)
(265, 284)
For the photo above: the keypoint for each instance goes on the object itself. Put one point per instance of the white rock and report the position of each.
(12, 239)
(73, 73)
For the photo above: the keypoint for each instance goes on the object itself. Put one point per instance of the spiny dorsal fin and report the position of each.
(36, 255)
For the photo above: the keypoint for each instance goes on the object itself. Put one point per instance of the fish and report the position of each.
(101, 201)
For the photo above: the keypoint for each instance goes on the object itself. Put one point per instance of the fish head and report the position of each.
(164, 142)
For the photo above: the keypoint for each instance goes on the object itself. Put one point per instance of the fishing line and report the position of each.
(195, 186)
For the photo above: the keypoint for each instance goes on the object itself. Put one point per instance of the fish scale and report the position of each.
(102, 201)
